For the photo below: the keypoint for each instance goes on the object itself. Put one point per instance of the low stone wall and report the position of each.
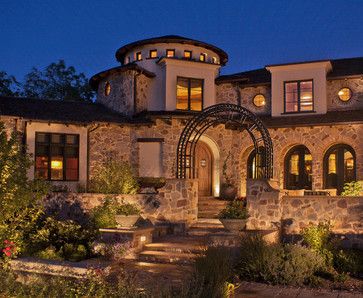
(344, 213)
(175, 202)
(263, 204)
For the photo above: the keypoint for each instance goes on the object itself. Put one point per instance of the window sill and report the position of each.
(298, 113)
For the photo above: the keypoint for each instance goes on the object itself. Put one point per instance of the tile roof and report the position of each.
(76, 112)
(340, 68)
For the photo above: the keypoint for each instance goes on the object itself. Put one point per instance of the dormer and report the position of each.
(299, 88)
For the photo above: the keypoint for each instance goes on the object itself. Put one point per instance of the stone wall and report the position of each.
(142, 92)
(231, 93)
(121, 97)
(344, 213)
(176, 202)
(356, 102)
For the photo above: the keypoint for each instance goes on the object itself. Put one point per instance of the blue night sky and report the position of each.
(255, 33)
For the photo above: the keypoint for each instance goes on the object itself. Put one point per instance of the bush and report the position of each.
(114, 177)
(49, 253)
(212, 272)
(234, 210)
(277, 263)
(67, 238)
(104, 214)
(319, 238)
(354, 188)
(349, 261)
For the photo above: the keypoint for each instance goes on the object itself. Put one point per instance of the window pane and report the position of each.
(170, 53)
(348, 166)
(56, 151)
(294, 164)
(196, 94)
(291, 97)
(187, 54)
(56, 168)
(41, 150)
(72, 168)
(72, 139)
(56, 138)
(306, 96)
(41, 167)
(42, 137)
(182, 94)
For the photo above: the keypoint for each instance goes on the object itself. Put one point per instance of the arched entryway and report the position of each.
(339, 166)
(298, 168)
(204, 169)
(232, 116)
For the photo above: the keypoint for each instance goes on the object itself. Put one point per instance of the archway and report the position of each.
(233, 117)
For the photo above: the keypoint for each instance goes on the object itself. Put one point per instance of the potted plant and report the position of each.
(234, 216)
(126, 215)
(228, 190)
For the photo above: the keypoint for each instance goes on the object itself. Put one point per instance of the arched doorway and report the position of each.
(204, 169)
(339, 166)
(256, 164)
(298, 168)
(232, 116)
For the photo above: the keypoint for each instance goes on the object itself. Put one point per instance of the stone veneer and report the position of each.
(175, 202)
(356, 102)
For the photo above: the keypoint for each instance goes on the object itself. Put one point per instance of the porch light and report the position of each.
(56, 164)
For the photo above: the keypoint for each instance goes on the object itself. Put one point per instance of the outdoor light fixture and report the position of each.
(143, 238)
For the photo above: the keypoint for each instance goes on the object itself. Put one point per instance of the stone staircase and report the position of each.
(209, 207)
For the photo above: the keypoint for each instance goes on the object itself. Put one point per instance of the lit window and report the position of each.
(298, 96)
(153, 54)
(214, 60)
(138, 56)
(56, 156)
(188, 55)
(170, 53)
(189, 94)
(202, 57)
(256, 163)
(345, 94)
(107, 89)
(259, 100)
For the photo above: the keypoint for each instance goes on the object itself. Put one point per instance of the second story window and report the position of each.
(188, 55)
(138, 56)
(202, 57)
(298, 96)
(56, 156)
(153, 54)
(170, 53)
(189, 94)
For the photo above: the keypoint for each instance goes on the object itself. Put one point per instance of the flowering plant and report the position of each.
(10, 249)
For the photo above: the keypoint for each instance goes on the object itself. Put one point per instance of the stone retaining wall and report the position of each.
(176, 202)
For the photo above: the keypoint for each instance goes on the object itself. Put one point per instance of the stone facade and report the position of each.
(356, 102)
(175, 202)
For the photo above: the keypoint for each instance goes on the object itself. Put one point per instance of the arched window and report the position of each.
(339, 166)
(298, 168)
(256, 164)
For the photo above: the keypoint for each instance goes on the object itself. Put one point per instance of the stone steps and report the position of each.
(209, 207)
(175, 247)
(164, 257)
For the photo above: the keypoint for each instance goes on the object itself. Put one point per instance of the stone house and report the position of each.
(313, 112)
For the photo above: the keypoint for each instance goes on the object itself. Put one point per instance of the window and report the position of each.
(259, 100)
(188, 55)
(127, 60)
(298, 168)
(153, 54)
(339, 166)
(203, 57)
(298, 96)
(107, 89)
(138, 56)
(56, 156)
(189, 94)
(170, 53)
(345, 94)
(214, 60)
(256, 164)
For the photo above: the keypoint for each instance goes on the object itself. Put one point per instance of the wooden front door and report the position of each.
(203, 160)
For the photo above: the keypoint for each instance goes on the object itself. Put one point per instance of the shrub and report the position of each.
(354, 188)
(212, 271)
(277, 263)
(349, 261)
(74, 252)
(114, 177)
(234, 210)
(49, 253)
(104, 214)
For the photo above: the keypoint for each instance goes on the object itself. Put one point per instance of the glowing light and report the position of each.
(56, 164)
(143, 238)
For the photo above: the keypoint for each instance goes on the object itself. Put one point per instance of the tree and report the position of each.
(58, 82)
(9, 86)
(19, 196)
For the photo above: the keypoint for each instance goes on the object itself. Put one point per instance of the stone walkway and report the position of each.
(258, 290)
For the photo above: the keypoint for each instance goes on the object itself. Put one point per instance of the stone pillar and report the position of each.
(263, 204)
